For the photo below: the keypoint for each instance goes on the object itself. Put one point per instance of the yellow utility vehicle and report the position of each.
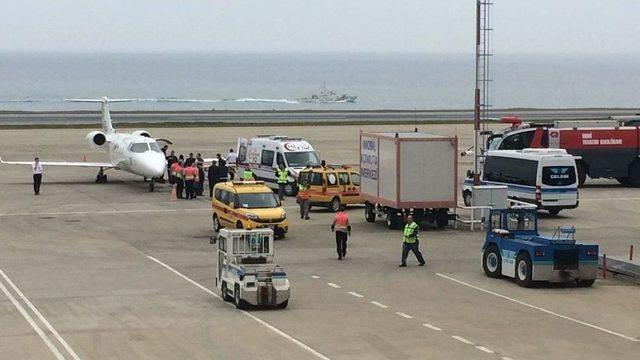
(332, 186)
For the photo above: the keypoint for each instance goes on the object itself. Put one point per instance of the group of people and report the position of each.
(189, 175)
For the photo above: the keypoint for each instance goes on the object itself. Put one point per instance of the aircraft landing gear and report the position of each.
(101, 178)
(152, 185)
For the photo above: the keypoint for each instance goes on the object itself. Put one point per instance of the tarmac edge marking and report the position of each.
(255, 318)
(596, 327)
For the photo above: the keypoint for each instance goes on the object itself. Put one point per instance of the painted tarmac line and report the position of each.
(379, 304)
(463, 340)
(355, 294)
(596, 327)
(315, 276)
(334, 285)
(406, 316)
(488, 351)
(104, 212)
(435, 328)
(506, 358)
(297, 342)
(32, 322)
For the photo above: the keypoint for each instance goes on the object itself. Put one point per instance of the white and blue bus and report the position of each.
(544, 177)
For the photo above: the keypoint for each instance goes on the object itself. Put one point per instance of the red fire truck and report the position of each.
(602, 149)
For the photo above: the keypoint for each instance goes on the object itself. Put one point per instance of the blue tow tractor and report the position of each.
(514, 248)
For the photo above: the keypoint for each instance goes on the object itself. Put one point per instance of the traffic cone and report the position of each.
(174, 193)
(84, 157)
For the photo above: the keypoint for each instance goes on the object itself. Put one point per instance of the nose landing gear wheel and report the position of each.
(152, 185)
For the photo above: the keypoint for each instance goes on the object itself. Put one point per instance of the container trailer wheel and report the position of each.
(393, 222)
(369, 213)
(585, 283)
(634, 174)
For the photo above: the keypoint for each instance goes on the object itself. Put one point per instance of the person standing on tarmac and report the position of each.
(232, 159)
(171, 159)
(213, 175)
(224, 170)
(342, 228)
(200, 178)
(282, 174)
(190, 174)
(410, 242)
(180, 179)
(37, 175)
(303, 201)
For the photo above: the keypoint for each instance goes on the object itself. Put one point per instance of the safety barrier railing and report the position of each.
(473, 219)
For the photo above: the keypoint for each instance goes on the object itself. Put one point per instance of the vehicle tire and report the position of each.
(278, 233)
(284, 304)
(582, 173)
(216, 223)
(554, 212)
(393, 222)
(585, 283)
(369, 213)
(524, 269)
(492, 262)
(442, 218)
(224, 292)
(152, 185)
(104, 179)
(335, 204)
(634, 174)
(239, 225)
(291, 189)
(237, 301)
(466, 197)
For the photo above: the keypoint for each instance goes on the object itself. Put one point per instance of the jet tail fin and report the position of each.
(107, 126)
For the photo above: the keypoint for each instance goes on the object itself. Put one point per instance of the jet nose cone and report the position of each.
(153, 166)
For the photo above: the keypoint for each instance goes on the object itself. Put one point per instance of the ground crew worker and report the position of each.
(248, 174)
(342, 227)
(174, 172)
(282, 175)
(410, 242)
(303, 201)
(190, 174)
(180, 179)
(37, 175)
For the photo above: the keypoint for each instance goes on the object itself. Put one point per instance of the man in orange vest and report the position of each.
(190, 174)
(303, 200)
(342, 228)
(180, 179)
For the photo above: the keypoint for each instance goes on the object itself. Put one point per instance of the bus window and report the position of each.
(510, 170)
(558, 175)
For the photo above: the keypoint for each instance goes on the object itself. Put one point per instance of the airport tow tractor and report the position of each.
(514, 248)
(247, 273)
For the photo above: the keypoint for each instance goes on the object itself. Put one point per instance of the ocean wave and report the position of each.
(166, 100)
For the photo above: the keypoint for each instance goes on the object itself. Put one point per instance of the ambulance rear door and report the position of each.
(243, 143)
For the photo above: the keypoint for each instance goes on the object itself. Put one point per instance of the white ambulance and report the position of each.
(264, 153)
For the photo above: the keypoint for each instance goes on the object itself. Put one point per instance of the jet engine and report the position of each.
(141, 133)
(96, 139)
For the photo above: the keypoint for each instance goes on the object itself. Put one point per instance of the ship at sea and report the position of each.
(328, 96)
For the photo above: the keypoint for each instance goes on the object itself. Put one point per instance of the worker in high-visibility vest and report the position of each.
(410, 242)
(342, 228)
(190, 174)
(303, 201)
(282, 175)
(248, 175)
(180, 179)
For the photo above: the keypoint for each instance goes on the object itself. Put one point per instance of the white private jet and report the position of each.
(136, 153)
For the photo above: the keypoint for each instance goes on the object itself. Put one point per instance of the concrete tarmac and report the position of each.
(111, 271)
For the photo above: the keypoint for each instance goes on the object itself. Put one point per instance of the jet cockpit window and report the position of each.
(155, 147)
(139, 147)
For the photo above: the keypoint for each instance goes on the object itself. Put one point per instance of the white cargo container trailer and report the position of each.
(408, 173)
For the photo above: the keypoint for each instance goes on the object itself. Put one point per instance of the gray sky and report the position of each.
(445, 26)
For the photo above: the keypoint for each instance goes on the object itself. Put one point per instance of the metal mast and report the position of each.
(481, 103)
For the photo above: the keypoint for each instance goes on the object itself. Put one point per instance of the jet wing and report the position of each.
(62, 163)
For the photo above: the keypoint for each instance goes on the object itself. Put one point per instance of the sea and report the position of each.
(277, 81)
